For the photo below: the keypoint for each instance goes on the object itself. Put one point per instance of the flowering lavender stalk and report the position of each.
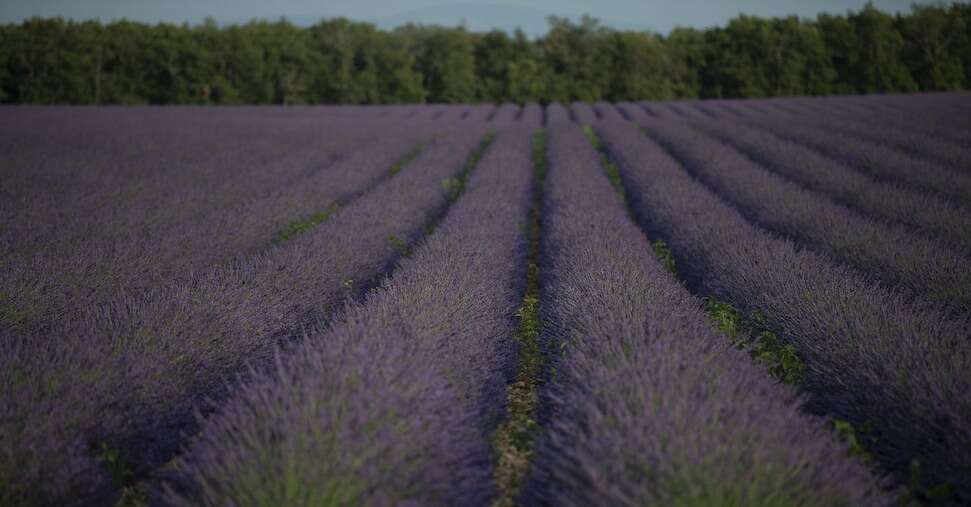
(879, 161)
(65, 283)
(506, 113)
(897, 370)
(532, 115)
(649, 406)
(122, 158)
(845, 185)
(556, 113)
(583, 113)
(394, 403)
(130, 379)
(481, 112)
(880, 128)
(927, 266)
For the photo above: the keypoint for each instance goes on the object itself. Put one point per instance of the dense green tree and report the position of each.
(961, 46)
(46, 61)
(839, 38)
(639, 67)
(493, 52)
(879, 48)
(754, 57)
(572, 53)
(446, 60)
(686, 56)
(734, 58)
(932, 40)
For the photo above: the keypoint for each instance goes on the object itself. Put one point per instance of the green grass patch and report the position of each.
(123, 476)
(516, 437)
(454, 186)
(610, 168)
(401, 246)
(408, 158)
(748, 333)
(302, 225)
(852, 437)
(917, 494)
(664, 255)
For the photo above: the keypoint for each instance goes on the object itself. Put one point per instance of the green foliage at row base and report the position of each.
(516, 436)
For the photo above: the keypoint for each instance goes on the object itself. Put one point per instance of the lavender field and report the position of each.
(726, 303)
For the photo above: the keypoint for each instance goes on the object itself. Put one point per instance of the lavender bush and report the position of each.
(394, 403)
(886, 129)
(195, 304)
(897, 369)
(895, 254)
(506, 114)
(845, 185)
(130, 378)
(532, 115)
(128, 169)
(649, 405)
(879, 161)
(61, 283)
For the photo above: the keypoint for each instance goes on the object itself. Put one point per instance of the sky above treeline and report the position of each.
(529, 15)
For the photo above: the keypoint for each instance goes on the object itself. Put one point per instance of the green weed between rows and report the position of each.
(784, 365)
(123, 477)
(301, 225)
(455, 186)
(409, 157)
(750, 332)
(610, 168)
(515, 438)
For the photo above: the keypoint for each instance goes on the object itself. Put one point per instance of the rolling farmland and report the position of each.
(745, 303)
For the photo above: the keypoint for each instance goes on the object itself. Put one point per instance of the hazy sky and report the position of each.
(659, 15)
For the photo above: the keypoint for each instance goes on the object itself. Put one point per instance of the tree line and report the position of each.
(337, 61)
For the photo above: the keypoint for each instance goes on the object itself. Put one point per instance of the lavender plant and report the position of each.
(927, 266)
(879, 161)
(59, 283)
(845, 185)
(873, 357)
(393, 403)
(133, 375)
(648, 405)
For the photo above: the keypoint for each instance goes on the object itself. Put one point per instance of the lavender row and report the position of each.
(943, 115)
(845, 185)
(131, 376)
(395, 403)
(879, 161)
(171, 168)
(583, 113)
(649, 405)
(873, 358)
(877, 128)
(63, 283)
(170, 178)
(892, 253)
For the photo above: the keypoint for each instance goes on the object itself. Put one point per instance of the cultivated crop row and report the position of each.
(394, 402)
(648, 404)
(873, 356)
(129, 376)
(696, 303)
(893, 253)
